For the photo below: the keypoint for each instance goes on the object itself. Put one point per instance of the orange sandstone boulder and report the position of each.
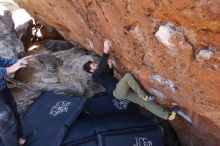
(171, 46)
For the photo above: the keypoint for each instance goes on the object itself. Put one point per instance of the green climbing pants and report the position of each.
(128, 88)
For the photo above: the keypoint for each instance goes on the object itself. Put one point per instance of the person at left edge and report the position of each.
(9, 66)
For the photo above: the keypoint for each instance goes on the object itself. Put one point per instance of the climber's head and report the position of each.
(90, 66)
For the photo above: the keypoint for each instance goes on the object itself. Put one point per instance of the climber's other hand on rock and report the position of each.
(107, 46)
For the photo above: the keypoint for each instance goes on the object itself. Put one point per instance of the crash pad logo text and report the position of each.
(120, 104)
(141, 141)
(4, 116)
(59, 108)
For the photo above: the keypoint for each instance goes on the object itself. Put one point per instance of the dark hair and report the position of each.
(86, 66)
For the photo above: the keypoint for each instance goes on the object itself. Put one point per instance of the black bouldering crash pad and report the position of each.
(100, 121)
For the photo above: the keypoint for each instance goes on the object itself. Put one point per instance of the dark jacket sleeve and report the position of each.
(6, 62)
(110, 71)
(3, 72)
(103, 65)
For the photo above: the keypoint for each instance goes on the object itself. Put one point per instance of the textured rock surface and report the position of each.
(51, 69)
(57, 45)
(10, 45)
(59, 71)
(22, 21)
(171, 46)
(19, 24)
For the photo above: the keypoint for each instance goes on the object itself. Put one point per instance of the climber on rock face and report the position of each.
(126, 88)
(8, 107)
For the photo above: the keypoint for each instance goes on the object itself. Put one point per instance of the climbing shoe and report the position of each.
(176, 109)
(150, 98)
(172, 116)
